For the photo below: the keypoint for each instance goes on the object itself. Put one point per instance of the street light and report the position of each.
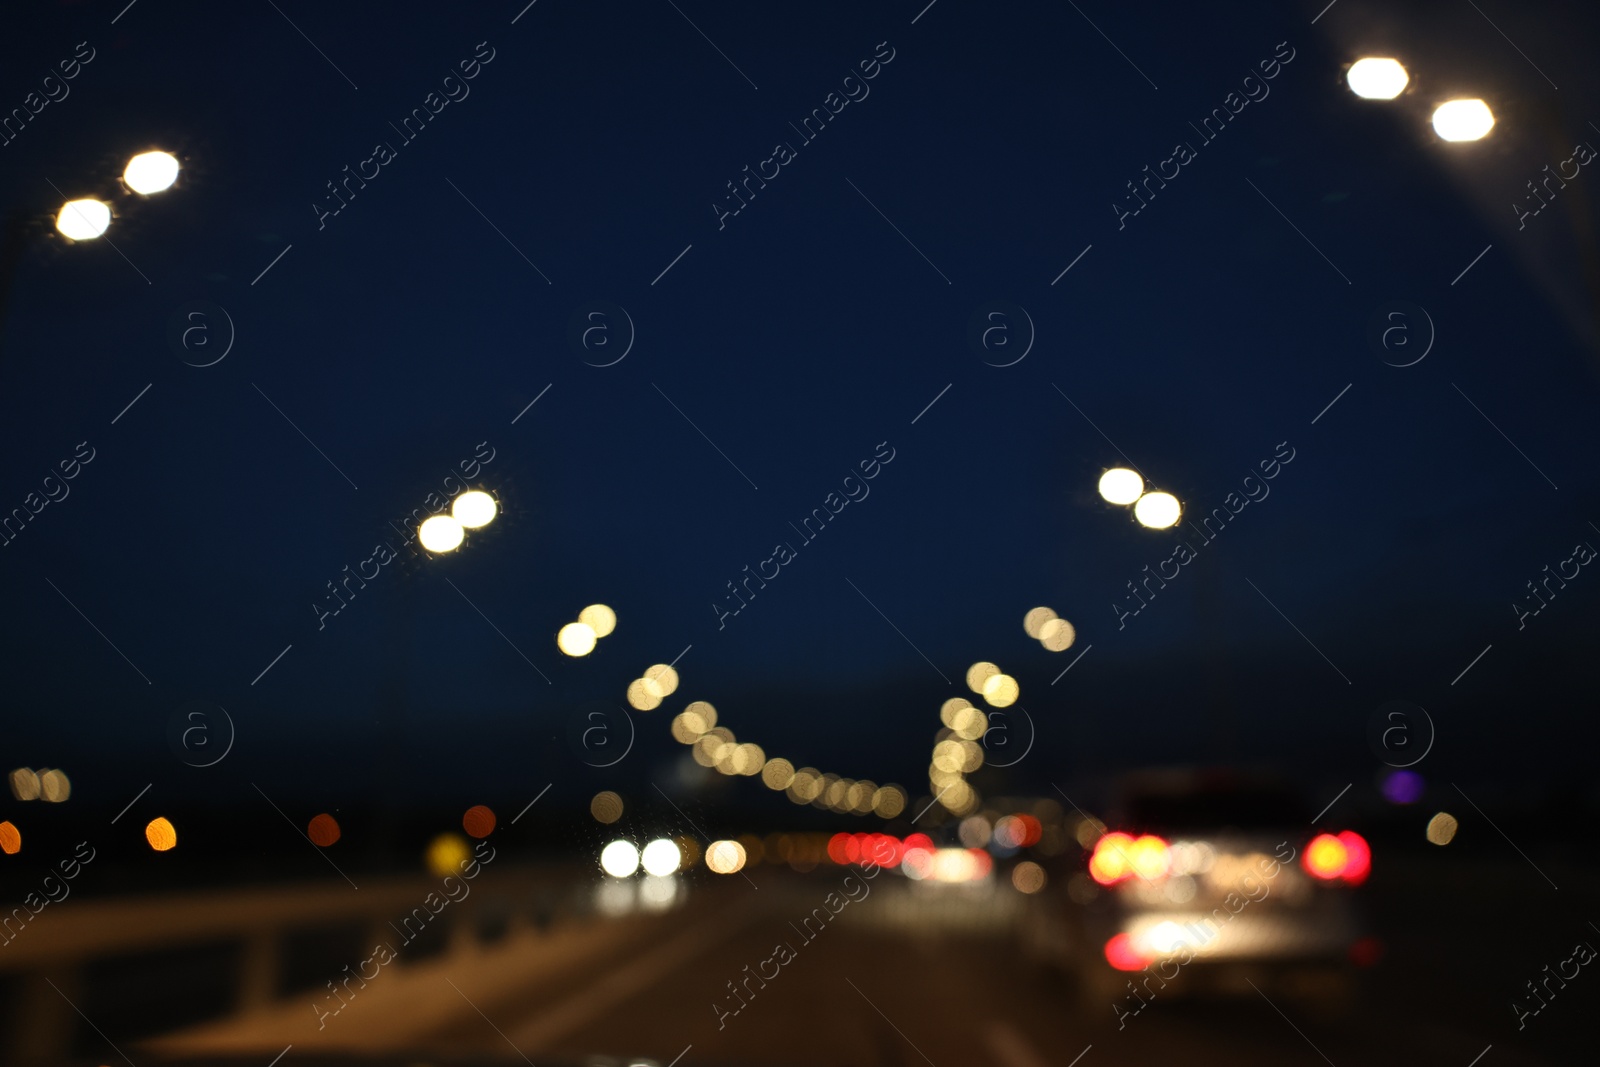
(1119, 485)
(151, 172)
(1158, 511)
(83, 220)
(474, 508)
(1463, 120)
(440, 533)
(1377, 79)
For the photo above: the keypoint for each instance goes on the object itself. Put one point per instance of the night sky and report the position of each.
(586, 165)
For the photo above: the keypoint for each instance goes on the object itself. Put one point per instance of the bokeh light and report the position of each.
(1119, 485)
(24, 784)
(1377, 79)
(576, 639)
(323, 830)
(474, 508)
(83, 220)
(1442, 828)
(644, 694)
(725, 857)
(150, 172)
(161, 834)
(619, 859)
(599, 618)
(1001, 690)
(661, 858)
(440, 533)
(10, 838)
(1035, 619)
(1158, 511)
(1057, 635)
(777, 774)
(478, 821)
(1463, 120)
(606, 807)
(1027, 877)
(1402, 787)
(664, 677)
(54, 787)
(979, 673)
(446, 853)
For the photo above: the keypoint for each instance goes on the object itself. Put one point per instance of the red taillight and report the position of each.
(1122, 955)
(1359, 863)
(1118, 856)
(1347, 856)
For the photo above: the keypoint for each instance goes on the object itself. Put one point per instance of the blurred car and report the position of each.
(1211, 881)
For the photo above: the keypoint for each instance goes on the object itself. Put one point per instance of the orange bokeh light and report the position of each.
(323, 830)
(1326, 857)
(10, 838)
(478, 821)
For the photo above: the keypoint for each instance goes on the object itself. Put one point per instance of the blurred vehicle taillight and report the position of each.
(1344, 857)
(1118, 856)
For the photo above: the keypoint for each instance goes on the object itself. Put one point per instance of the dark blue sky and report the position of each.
(808, 330)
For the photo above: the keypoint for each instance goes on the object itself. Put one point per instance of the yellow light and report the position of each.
(1463, 120)
(1028, 877)
(725, 857)
(1057, 635)
(888, 802)
(1149, 856)
(980, 672)
(970, 724)
(599, 618)
(446, 853)
(1442, 828)
(55, 787)
(606, 807)
(777, 774)
(1377, 79)
(161, 834)
(1326, 856)
(1119, 485)
(953, 707)
(661, 858)
(440, 533)
(83, 220)
(704, 709)
(644, 695)
(664, 676)
(25, 784)
(575, 639)
(1001, 690)
(687, 726)
(1157, 510)
(1036, 618)
(619, 859)
(474, 508)
(151, 172)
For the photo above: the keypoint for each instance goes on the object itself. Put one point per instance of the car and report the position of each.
(1211, 882)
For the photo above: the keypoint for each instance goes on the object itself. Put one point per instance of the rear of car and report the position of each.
(1212, 884)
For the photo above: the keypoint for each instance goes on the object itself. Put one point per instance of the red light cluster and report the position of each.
(885, 850)
(1345, 857)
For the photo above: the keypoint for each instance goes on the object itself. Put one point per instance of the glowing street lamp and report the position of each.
(1119, 485)
(1377, 79)
(151, 172)
(474, 508)
(440, 533)
(83, 220)
(1158, 511)
(1463, 120)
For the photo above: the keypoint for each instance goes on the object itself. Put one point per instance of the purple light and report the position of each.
(1403, 787)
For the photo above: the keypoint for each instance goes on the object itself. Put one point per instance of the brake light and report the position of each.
(1118, 856)
(1121, 953)
(1359, 862)
(1346, 856)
